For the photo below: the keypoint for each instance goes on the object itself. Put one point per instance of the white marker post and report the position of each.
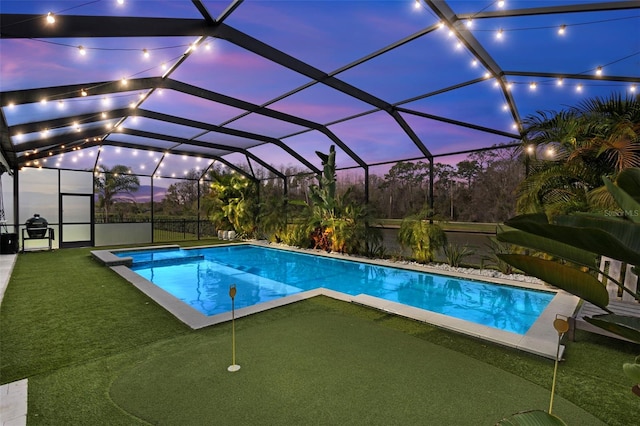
(232, 293)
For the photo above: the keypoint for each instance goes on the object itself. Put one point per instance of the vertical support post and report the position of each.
(431, 204)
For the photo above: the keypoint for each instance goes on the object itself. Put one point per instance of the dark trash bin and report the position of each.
(8, 243)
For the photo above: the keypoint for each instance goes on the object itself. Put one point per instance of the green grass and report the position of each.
(96, 351)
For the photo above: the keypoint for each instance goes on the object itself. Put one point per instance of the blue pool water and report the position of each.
(202, 277)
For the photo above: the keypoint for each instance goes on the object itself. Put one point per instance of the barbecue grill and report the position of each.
(37, 226)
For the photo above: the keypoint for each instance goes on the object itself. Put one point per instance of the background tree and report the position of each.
(182, 197)
(573, 149)
(112, 185)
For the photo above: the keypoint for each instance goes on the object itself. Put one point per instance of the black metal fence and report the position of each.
(182, 229)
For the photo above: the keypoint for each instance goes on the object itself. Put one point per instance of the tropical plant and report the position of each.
(232, 202)
(109, 183)
(422, 236)
(272, 219)
(599, 137)
(494, 249)
(573, 243)
(337, 222)
(455, 253)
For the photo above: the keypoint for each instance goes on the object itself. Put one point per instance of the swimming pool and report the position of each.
(201, 278)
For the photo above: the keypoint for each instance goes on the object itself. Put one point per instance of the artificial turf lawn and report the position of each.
(91, 329)
(324, 367)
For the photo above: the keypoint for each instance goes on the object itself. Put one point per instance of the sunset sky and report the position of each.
(328, 36)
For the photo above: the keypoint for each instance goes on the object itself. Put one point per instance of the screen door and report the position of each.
(76, 224)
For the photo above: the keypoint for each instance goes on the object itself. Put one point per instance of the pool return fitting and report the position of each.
(233, 367)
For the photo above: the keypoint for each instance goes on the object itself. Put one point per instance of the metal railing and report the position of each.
(182, 229)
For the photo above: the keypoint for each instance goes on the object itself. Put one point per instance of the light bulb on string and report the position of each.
(416, 4)
(123, 81)
(599, 71)
(51, 18)
(559, 81)
(632, 88)
(579, 88)
(145, 53)
(562, 29)
(82, 50)
(499, 34)
(83, 92)
(469, 23)
(501, 3)
(533, 86)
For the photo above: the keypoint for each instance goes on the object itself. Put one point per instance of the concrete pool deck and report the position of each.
(541, 339)
(13, 396)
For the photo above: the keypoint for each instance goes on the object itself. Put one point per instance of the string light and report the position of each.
(599, 71)
(633, 88)
(145, 53)
(43, 101)
(562, 29)
(416, 4)
(469, 23)
(51, 19)
(560, 81)
(533, 86)
(501, 3)
(474, 63)
(82, 50)
(579, 88)
(123, 81)
(499, 33)
(120, 2)
(83, 92)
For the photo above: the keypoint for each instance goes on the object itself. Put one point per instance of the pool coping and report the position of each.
(541, 338)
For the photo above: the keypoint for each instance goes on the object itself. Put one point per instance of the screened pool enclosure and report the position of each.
(117, 116)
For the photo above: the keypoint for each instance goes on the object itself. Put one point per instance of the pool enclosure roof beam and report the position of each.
(549, 10)
(447, 15)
